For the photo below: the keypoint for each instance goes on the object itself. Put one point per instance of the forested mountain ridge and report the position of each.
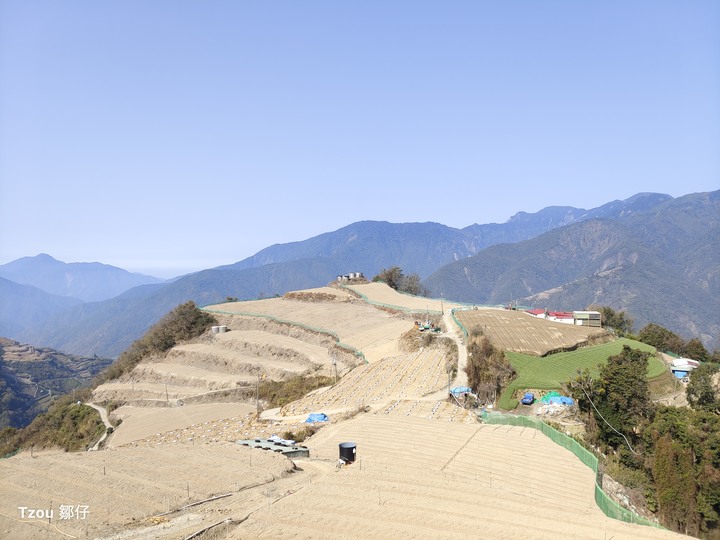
(661, 266)
(106, 328)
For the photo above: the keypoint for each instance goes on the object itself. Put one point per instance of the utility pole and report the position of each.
(257, 393)
(335, 368)
(449, 372)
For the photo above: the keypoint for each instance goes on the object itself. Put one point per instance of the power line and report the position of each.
(608, 423)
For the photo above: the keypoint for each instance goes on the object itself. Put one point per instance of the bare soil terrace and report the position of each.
(520, 332)
(425, 469)
(413, 478)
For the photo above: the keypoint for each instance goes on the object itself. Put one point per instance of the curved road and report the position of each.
(104, 418)
(452, 332)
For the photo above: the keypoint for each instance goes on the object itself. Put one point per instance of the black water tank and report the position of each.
(347, 451)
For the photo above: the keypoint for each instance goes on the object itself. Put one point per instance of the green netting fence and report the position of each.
(304, 326)
(409, 310)
(457, 321)
(392, 306)
(608, 506)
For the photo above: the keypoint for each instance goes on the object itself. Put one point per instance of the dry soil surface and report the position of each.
(425, 468)
(521, 332)
(413, 478)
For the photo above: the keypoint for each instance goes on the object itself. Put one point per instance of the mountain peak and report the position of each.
(43, 257)
(86, 281)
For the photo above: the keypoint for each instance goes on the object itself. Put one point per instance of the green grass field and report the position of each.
(550, 372)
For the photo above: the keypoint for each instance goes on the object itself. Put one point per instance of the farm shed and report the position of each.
(565, 317)
(681, 367)
(587, 318)
(579, 318)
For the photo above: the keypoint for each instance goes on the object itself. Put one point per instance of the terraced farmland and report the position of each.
(417, 478)
(425, 469)
(395, 379)
(120, 489)
(228, 362)
(372, 331)
(520, 332)
(381, 294)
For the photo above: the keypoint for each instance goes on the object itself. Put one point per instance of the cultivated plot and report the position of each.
(398, 378)
(418, 478)
(370, 330)
(117, 491)
(382, 294)
(552, 371)
(520, 332)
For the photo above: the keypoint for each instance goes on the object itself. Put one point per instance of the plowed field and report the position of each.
(425, 468)
(520, 332)
(413, 478)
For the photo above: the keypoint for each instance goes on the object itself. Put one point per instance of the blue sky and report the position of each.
(171, 136)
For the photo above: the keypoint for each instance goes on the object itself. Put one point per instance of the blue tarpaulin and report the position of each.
(316, 417)
(461, 390)
(563, 400)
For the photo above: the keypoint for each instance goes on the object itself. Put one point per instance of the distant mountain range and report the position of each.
(655, 256)
(89, 282)
(660, 265)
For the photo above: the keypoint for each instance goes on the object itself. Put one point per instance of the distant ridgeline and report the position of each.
(30, 378)
(651, 255)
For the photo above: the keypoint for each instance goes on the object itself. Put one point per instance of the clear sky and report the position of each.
(170, 136)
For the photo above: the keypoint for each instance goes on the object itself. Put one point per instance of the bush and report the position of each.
(184, 322)
(279, 393)
(488, 370)
(65, 425)
(301, 434)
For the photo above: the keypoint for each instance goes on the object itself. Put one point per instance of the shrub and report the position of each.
(184, 322)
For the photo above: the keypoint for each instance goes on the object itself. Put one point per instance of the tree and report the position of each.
(696, 350)
(622, 397)
(411, 285)
(617, 320)
(675, 485)
(703, 390)
(487, 369)
(393, 277)
(683, 455)
(661, 338)
(582, 390)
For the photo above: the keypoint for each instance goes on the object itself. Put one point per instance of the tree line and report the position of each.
(671, 455)
(661, 338)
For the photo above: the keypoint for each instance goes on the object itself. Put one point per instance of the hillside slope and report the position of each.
(424, 466)
(23, 306)
(30, 377)
(660, 266)
(107, 328)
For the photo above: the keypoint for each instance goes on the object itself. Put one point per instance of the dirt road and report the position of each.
(105, 420)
